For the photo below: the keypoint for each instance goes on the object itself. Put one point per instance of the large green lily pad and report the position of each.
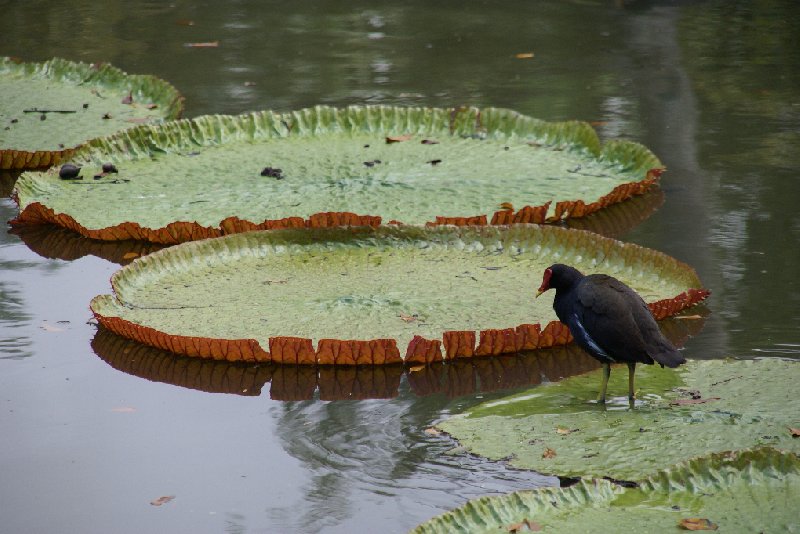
(741, 404)
(362, 295)
(325, 167)
(743, 491)
(48, 109)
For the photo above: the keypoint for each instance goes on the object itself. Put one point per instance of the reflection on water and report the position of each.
(13, 319)
(53, 242)
(456, 378)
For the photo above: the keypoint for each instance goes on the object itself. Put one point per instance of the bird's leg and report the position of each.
(606, 373)
(631, 372)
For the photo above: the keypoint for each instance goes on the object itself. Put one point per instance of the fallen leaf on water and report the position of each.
(249, 84)
(795, 432)
(692, 317)
(697, 523)
(598, 123)
(432, 431)
(123, 409)
(524, 55)
(416, 368)
(162, 500)
(564, 431)
(507, 206)
(130, 255)
(682, 402)
(209, 44)
(548, 453)
(525, 524)
(398, 138)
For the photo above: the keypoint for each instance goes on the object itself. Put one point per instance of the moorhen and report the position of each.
(609, 320)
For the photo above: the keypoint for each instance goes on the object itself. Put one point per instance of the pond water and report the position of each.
(93, 428)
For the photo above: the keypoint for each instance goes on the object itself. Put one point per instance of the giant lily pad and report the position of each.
(361, 294)
(48, 109)
(742, 491)
(704, 407)
(214, 175)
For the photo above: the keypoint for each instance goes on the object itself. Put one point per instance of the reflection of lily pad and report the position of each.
(292, 295)
(746, 491)
(740, 404)
(204, 177)
(48, 109)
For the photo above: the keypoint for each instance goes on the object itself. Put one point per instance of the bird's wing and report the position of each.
(609, 311)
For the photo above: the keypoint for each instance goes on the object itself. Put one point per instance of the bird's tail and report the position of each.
(670, 358)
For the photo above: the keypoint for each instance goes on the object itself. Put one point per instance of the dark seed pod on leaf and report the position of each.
(69, 171)
(109, 167)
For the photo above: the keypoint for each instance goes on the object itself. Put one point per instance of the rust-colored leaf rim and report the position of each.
(420, 350)
(144, 140)
(294, 350)
(158, 91)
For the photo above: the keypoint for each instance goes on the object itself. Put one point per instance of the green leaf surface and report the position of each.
(455, 163)
(370, 283)
(748, 403)
(58, 104)
(745, 491)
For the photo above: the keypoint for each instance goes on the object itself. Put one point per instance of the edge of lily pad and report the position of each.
(699, 475)
(162, 93)
(452, 345)
(215, 129)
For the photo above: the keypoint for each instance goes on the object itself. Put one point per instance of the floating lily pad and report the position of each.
(743, 491)
(49, 109)
(317, 167)
(362, 295)
(703, 407)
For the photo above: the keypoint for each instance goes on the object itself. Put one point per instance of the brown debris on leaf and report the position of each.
(524, 55)
(697, 523)
(795, 432)
(565, 431)
(128, 99)
(398, 138)
(548, 453)
(526, 525)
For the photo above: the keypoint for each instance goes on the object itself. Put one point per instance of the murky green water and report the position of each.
(713, 88)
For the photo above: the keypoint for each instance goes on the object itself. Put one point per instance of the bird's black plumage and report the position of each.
(608, 319)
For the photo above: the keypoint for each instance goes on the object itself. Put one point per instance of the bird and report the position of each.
(610, 321)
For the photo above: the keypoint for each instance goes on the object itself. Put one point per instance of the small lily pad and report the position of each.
(49, 109)
(752, 402)
(216, 175)
(363, 295)
(742, 491)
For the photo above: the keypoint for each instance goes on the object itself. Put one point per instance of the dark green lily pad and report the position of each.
(744, 491)
(325, 167)
(739, 404)
(363, 295)
(48, 109)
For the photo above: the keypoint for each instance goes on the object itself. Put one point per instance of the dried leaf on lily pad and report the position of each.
(744, 491)
(346, 290)
(756, 402)
(73, 98)
(200, 178)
